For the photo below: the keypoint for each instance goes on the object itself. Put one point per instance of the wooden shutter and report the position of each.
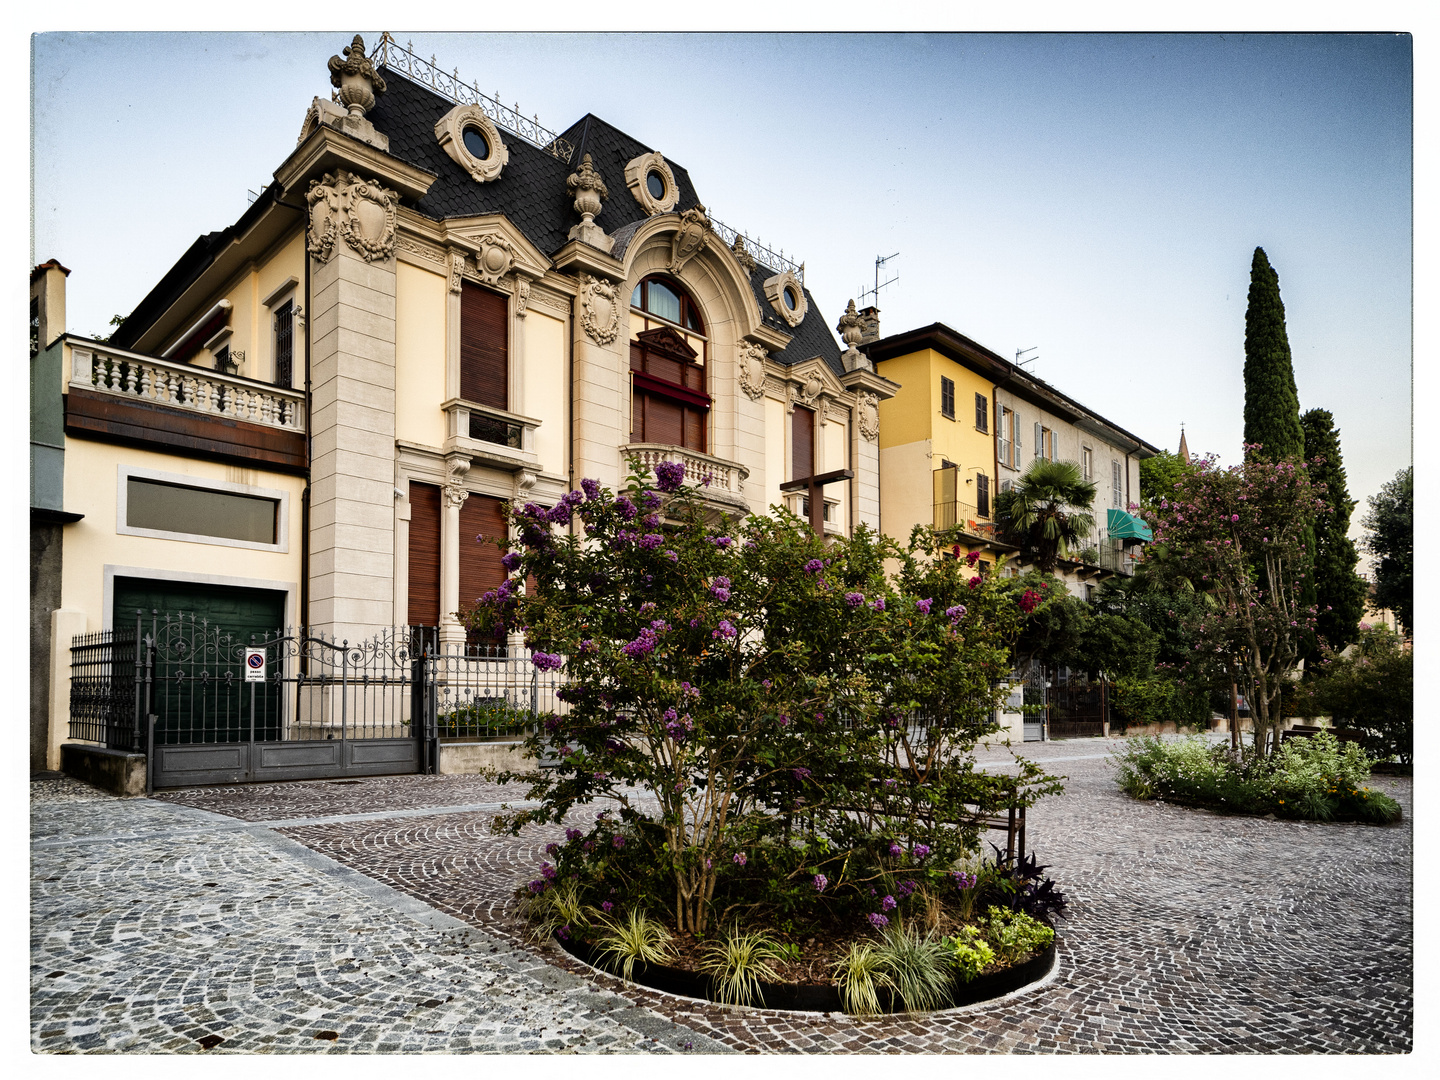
(802, 443)
(480, 568)
(982, 494)
(982, 412)
(424, 605)
(484, 347)
(1039, 440)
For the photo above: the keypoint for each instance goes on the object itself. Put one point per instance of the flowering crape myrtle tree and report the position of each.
(1240, 534)
(761, 686)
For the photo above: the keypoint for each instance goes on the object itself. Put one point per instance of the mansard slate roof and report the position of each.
(530, 192)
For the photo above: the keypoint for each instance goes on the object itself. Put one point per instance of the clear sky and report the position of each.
(1096, 196)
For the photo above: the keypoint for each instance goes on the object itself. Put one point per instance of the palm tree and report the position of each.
(1047, 512)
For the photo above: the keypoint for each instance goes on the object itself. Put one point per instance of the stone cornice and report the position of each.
(578, 257)
(869, 382)
(326, 149)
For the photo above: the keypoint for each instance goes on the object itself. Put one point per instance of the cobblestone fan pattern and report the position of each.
(1186, 931)
(160, 929)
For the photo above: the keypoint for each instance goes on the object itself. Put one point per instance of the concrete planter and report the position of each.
(120, 772)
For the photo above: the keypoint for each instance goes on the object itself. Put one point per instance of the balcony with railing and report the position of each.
(116, 395)
(491, 435)
(181, 386)
(719, 482)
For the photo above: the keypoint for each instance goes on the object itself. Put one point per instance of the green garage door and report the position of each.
(199, 693)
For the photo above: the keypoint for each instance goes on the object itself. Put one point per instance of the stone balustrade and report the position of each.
(181, 386)
(723, 476)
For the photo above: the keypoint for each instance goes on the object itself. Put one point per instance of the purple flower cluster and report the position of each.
(920, 851)
(720, 589)
(547, 661)
(672, 556)
(548, 872)
(879, 605)
(643, 645)
(955, 612)
(896, 851)
(725, 629)
(877, 920)
(721, 542)
(963, 880)
(906, 887)
(572, 834)
(625, 508)
(618, 841)
(511, 561)
(592, 488)
(820, 882)
(551, 848)
(924, 605)
(651, 541)
(814, 566)
(801, 773)
(538, 886)
(740, 859)
(606, 906)
(854, 599)
(669, 475)
(888, 903)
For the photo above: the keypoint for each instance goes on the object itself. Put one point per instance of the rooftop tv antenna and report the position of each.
(880, 261)
(1019, 353)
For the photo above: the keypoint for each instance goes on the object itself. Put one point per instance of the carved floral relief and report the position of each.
(751, 370)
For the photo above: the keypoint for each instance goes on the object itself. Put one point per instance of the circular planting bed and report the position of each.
(820, 998)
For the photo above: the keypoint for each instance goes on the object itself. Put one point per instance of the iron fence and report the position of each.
(103, 687)
(485, 692)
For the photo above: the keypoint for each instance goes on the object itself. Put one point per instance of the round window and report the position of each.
(790, 298)
(476, 143)
(655, 184)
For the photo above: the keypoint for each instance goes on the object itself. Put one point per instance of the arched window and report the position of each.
(663, 298)
(668, 400)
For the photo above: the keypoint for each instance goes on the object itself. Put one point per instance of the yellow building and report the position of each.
(937, 435)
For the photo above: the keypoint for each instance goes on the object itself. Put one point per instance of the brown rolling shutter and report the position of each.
(694, 430)
(424, 606)
(480, 569)
(802, 443)
(484, 347)
(664, 421)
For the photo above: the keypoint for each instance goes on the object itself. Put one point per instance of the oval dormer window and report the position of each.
(655, 184)
(476, 142)
(789, 296)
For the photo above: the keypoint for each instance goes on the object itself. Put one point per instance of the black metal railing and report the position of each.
(492, 429)
(103, 687)
(486, 692)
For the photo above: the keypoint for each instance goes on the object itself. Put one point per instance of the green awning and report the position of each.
(1123, 526)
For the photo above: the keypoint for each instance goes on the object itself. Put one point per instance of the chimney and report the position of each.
(869, 325)
(47, 304)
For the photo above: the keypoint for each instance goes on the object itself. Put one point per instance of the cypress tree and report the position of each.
(1339, 590)
(1272, 407)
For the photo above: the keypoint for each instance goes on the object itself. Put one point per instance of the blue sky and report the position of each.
(1096, 196)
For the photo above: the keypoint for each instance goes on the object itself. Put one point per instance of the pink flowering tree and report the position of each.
(1239, 534)
(746, 698)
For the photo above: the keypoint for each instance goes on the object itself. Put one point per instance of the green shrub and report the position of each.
(1316, 778)
(1158, 699)
(1373, 692)
(484, 717)
(1014, 935)
(970, 953)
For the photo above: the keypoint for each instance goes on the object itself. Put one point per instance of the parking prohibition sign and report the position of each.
(255, 665)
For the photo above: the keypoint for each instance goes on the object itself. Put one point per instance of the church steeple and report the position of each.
(1184, 449)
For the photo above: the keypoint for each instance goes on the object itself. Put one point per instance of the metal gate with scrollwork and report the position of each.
(175, 688)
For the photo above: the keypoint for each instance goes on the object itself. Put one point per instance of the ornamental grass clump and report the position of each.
(635, 937)
(861, 974)
(737, 965)
(918, 968)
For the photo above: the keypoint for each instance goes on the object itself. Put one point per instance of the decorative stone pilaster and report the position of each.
(587, 188)
(455, 494)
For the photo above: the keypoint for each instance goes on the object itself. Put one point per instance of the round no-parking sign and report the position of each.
(255, 665)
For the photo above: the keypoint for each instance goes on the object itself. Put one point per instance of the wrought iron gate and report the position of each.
(1035, 698)
(175, 688)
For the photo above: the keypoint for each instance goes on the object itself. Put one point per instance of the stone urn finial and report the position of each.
(357, 78)
(587, 187)
(849, 326)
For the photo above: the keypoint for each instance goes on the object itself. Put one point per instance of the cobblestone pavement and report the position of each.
(158, 928)
(1186, 931)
